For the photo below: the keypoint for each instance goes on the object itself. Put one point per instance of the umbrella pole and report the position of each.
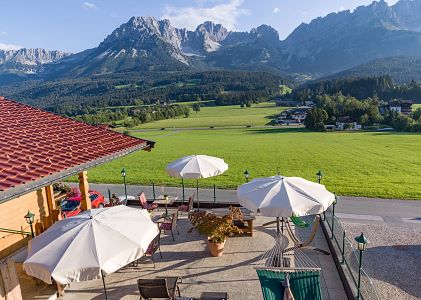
(214, 196)
(197, 193)
(282, 250)
(277, 225)
(182, 184)
(282, 226)
(103, 283)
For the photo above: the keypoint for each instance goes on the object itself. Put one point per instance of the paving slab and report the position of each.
(189, 258)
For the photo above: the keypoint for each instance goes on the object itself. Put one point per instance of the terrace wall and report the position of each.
(12, 217)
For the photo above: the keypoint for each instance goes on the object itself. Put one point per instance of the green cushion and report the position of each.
(305, 285)
(299, 222)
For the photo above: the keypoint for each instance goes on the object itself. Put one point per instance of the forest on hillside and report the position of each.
(382, 87)
(79, 96)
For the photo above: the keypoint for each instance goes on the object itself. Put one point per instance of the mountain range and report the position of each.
(326, 45)
(28, 61)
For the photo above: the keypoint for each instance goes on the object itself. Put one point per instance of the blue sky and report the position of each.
(73, 25)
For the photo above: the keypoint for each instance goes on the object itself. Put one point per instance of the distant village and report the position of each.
(297, 114)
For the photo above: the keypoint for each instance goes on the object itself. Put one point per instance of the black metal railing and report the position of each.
(349, 258)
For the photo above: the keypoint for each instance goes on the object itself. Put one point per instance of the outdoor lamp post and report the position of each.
(123, 173)
(30, 220)
(247, 175)
(362, 245)
(335, 200)
(319, 176)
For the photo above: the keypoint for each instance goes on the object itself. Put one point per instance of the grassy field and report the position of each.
(258, 114)
(370, 164)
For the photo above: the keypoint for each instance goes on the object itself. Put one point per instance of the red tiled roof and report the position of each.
(35, 144)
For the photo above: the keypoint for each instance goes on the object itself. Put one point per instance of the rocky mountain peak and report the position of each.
(28, 60)
(144, 32)
(408, 14)
(266, 33)
(216, 31)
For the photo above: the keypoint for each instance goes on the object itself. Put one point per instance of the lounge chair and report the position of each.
(170, 225)
(189, 207)
(304, 285)
(279, 279)
(161, 288)
(144, 202)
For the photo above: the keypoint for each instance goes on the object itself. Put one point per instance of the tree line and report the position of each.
(331, 108)
(76, 96)
(360, 88)
(129, 117)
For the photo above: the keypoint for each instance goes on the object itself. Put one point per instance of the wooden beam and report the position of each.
(84, 190)
(50, 198)
(56, 215)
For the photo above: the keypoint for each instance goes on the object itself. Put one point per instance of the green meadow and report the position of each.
(370, 164)
(218, 116)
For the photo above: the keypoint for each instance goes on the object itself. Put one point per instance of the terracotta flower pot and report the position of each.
(216, 249)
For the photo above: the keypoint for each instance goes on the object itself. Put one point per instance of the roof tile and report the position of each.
(36, 143)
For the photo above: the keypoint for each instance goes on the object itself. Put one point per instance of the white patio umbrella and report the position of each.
(90, 245)
(196, 167)
(282, 197)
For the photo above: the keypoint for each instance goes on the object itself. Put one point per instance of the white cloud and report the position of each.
(4, 33)
(189, 17)
(276, 10)
(341, 8)
(9, 47)
(89, 5)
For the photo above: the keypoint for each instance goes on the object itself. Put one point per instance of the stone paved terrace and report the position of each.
(188, 258)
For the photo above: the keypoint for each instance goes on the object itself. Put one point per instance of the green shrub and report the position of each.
(415, 127)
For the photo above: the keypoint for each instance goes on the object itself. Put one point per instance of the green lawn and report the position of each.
(370, 164)
(258, 114)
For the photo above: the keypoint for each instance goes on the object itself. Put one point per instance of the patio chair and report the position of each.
(154, 246)
(161, 288)
(170, 225)
(144, 202)
(189, 207)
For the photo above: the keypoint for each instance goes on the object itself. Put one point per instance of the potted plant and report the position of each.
(216, 228)
(61, 187)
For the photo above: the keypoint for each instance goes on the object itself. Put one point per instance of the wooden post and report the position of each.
(84, 190)
(47, 221)
(56, 215)
(50, 198)
(60, 289)
(39, 228)
(10, 287)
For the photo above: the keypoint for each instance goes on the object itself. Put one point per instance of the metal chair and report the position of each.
(170, 225)
(189, 207)
(144, 202)
(154, 246)
(161, 288)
